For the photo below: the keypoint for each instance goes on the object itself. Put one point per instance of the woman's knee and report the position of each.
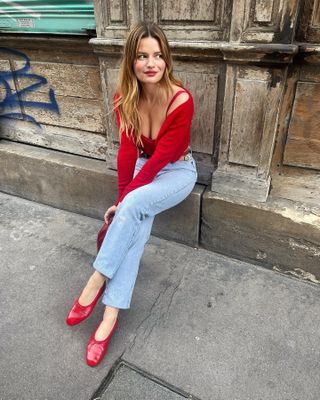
(132, 205)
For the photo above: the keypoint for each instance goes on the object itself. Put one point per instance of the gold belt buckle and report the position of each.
(187, 157)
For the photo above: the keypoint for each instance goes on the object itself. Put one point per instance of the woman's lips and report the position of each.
(151, 73)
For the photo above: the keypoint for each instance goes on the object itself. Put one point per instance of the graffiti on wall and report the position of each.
(14, 98)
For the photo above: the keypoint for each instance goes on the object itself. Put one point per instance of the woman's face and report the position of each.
(149, 65)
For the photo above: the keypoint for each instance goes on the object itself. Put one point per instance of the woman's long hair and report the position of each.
(129, 87)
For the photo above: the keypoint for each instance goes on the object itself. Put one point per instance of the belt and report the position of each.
(185, 156)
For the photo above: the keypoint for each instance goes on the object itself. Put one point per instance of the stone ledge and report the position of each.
(84, 186)
(227, 51)
(65, 181)
(231, 184)
(31, 41)
(280, 234)
(181, 223)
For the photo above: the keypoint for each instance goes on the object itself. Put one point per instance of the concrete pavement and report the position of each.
(201, 325)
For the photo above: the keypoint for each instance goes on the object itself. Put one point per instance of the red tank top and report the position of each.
(150, 144)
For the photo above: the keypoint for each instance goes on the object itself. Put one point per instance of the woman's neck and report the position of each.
(149, 92)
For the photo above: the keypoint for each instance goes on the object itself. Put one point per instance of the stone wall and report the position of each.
(243, 63)
(51, 94)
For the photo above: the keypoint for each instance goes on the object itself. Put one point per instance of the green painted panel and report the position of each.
(52, 16)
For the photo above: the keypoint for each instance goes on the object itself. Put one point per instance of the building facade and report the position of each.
(253, 69)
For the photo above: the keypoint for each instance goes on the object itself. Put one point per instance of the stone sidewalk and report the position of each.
(201, 325)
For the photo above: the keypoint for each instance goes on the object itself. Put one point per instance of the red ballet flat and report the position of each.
(79, 313)
(96, 349)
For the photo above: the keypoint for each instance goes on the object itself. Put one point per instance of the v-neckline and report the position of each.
(154, 140)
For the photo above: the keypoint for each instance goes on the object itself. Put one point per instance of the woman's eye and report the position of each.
(143, 56)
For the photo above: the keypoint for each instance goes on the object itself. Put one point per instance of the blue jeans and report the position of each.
(121, 251)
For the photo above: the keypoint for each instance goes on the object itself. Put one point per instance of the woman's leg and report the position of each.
(91, 289)
(171, 186)
(96, 280)
(119, 289)
(118, 293)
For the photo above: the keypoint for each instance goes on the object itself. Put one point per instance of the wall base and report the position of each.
(280, 234)
(84, 186)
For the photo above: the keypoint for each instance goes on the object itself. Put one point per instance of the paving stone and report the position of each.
(233, 331)
(46, 256)
(129, 384)
(210, 326)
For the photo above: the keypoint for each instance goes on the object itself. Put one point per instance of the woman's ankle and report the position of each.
(90, 290)
(97, 279)
(111, 313)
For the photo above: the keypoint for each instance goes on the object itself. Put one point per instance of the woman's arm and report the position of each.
(126, 160)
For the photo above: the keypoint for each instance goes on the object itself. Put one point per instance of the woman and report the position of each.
(156, 171)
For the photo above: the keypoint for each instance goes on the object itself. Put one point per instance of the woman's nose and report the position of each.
(150, 62)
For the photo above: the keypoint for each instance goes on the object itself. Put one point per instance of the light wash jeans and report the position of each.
(121, 251)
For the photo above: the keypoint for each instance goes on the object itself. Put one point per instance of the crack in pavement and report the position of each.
(159, 309)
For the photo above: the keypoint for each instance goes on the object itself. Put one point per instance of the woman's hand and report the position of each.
(109, 214)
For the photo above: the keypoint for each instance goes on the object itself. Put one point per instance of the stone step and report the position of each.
(279, 234)
(84, 186)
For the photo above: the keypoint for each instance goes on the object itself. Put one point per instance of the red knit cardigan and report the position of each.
(170, 144)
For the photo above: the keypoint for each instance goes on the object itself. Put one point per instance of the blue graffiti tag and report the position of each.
(15, 99)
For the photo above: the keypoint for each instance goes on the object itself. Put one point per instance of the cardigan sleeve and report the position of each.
(174, 139)
(126, 160)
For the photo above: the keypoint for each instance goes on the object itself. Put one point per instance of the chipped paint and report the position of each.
(301, 217)
(261, 255)
(310, 249)
(299, 273)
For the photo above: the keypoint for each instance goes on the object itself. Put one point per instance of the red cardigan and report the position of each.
(170, 144)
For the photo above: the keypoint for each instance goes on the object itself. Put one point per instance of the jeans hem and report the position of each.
(97, 268)
(110, 304)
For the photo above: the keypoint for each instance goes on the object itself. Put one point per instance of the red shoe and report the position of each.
(96, 349)
(79, 313)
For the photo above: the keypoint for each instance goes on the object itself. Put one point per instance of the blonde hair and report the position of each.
(129, 88)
